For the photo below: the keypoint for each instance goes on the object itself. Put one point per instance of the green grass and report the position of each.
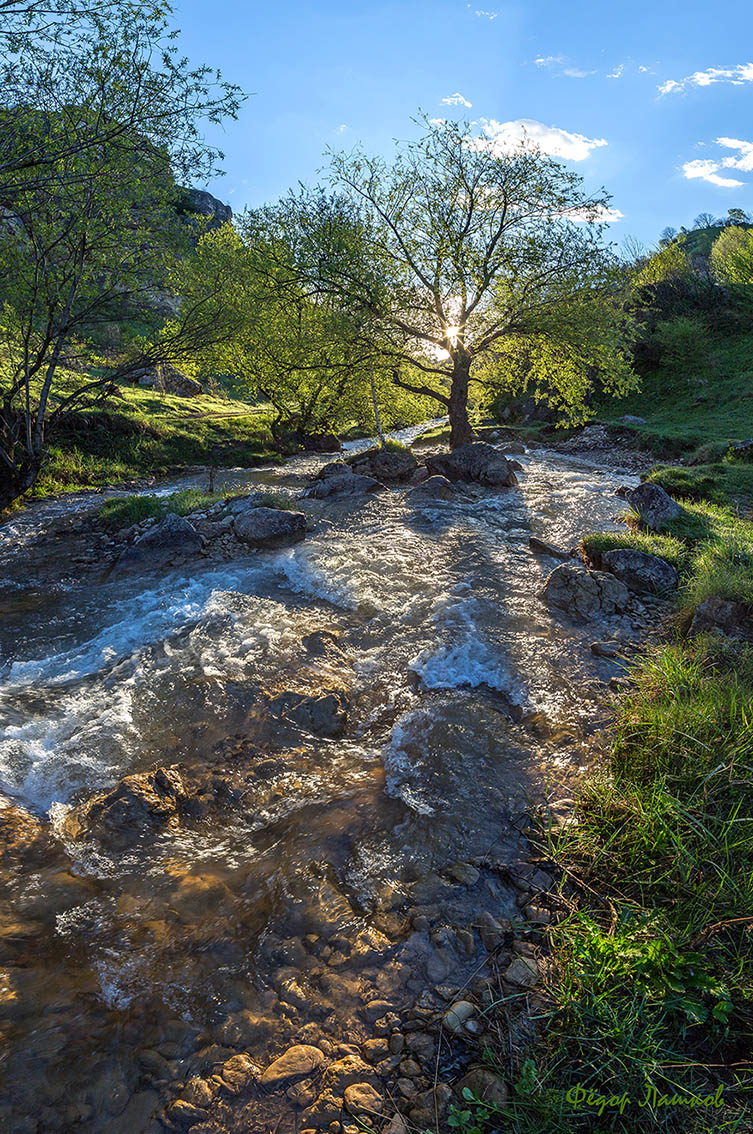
(124, 511)
(722, 482)
(142, 433)
(711, 406)
(653, 956)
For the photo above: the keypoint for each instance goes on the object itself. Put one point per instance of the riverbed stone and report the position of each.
(485, 1084)
(522, 971)
(239, 1072)
(269, 527)
(543, 547)
(298, 1062)
(456, 1016)
(734, 619)
(362, 1098)
(584, 594)
(654, 506)
(476, 462)
(426, 1106)
(640, 571)
(160, 545)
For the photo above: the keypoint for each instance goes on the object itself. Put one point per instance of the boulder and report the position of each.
(434, 488)
(384, 464)
(744, 450)
(630, 419)
(723, 616)
(24, 839)
(171, 539)
(514, 448)
(584, 594)
(640, 571)
(485, 1084)
(146, 801)
(174, 381)
(325, 715)
(475, 462)
(343, 484)
(298, 1062)
(653, 506)
(269, 527)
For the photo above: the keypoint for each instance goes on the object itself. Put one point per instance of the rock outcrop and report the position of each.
(654, 507)
(269, 527)
(584, 594)
(434, 488)
(640, 571)
(476, 462)
(172, 539)
(338, 479)
(384, 464)
(325, 715)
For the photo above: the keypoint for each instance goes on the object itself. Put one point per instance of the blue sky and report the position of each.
(646, 88)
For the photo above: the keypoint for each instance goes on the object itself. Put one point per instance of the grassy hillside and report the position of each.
(142, 433)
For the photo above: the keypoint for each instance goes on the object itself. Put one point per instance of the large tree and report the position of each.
(473, 250)
(99, 119)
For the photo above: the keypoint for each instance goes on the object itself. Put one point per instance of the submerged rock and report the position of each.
(269, 527)
(325, 715)
(640, 571)
(298, 1062)
(542, 547)
(345, 483)
(653, 506)
(476, 462)
(433, 488)
(585, 594)
(171, 539)
(141, 802)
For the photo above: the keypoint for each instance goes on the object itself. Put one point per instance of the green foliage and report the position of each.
(723, 482)
(684, 343)
(674, 550)
(123, 511)
(732, 257)
(668, 264)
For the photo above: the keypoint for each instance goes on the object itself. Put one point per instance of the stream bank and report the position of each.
(338, 878)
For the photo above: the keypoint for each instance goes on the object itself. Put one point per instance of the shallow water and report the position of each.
(236, 932)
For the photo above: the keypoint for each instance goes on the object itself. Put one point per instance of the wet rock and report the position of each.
(522, 971)
(640, 571)
(492, 931)
(422, 1045)
(513, 447)
(717, 614)
(345, 483)
(269, 527)
(486, 1085)
(326, 715)
(142, 802)
(298, 1062)
(23, 838)
(605, 649)
(654, 506)
(327, 1108)
(301, 1094)
(323, 644)
(464, 873)
(433, 488)
(543, 548)
(475, 462)
(362, 1098)
(238, 1073)
(584, 594)
(456, 1016)
(396, 1043)
(384, 464)
(185, 1114)
(171, 539)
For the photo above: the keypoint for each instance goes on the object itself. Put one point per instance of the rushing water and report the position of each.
(277, 916)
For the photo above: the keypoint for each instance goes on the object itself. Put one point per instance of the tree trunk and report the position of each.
(15, 482)
(377, 417)
(460, 428)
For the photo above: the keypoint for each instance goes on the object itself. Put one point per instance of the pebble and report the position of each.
(456, 1016)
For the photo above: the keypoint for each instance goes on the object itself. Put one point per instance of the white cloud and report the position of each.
(576, 73)
(456, 100)
(501, 137)
(437, 121)
(617, 73)
(597, 213)
(486, 15)
(342, 127)
(708, 170)
(741, 73)
(549, 60)
(744, 161)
